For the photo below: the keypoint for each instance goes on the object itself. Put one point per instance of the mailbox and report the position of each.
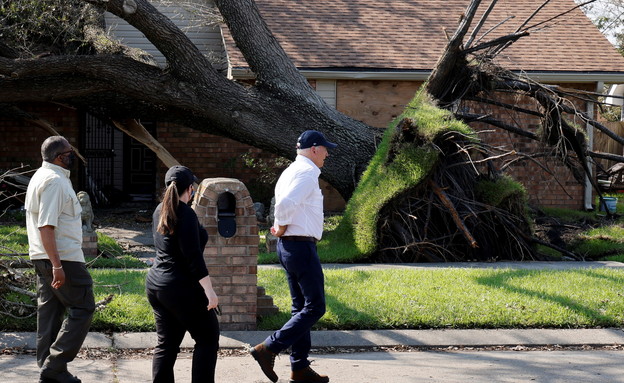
(226, 214)
(225, 208)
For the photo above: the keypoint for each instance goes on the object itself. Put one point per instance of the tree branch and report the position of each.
(480, 23)
(184, 59)
(136, 130)
(468, 117)
(265, 56)
(449, 205)
(437, 85)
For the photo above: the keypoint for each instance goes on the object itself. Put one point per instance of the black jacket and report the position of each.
(179, 258)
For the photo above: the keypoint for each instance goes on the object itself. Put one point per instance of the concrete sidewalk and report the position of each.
(369, 367)
(360, 338)
(443, 364)
(448, 365)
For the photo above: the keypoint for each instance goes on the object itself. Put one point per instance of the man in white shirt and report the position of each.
(299, 225)
(64, 286)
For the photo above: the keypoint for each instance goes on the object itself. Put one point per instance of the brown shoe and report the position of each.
(266, 360)
(307, 375)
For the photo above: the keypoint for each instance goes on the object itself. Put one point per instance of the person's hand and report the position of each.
(58, 278)
(279, 231)
(213, 299)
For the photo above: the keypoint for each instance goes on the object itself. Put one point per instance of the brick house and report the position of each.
(366, 58)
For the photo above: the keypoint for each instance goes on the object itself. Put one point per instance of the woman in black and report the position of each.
(178, 285)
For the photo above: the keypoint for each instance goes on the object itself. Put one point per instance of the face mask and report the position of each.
(68, 160)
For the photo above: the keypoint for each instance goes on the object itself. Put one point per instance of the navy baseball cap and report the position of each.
(311, 138)
(182, 175)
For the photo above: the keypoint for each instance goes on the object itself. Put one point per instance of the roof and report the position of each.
(408, 35)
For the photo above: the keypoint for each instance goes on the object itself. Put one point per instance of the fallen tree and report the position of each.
(448, 212)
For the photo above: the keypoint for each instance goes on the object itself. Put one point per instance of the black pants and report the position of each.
(177, 312)
(63, 315)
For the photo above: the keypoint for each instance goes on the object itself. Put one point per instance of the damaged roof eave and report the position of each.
(422, 75)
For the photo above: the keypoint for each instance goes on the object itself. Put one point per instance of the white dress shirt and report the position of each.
(51, 200)
(298, 199)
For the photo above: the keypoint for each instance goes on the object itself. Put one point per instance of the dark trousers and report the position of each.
(59, 337)
(307, 290)
(177, 312)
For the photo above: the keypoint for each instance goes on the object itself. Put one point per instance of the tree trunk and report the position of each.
(270, 115)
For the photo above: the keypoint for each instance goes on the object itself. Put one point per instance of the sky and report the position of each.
(613, 9)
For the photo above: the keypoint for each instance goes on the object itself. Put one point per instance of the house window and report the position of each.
(327, 90)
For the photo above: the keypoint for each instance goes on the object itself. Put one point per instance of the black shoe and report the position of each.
(51, 376)
(266, 360)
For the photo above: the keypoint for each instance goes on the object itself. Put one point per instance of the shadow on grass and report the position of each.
(338, 316)
(595, 317)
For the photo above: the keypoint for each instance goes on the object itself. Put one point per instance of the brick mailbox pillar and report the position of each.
(225, 209)
(89, 245)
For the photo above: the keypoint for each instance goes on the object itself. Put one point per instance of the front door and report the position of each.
(140, 167)
(98, 149)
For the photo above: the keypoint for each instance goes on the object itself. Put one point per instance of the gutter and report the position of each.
(422, 75)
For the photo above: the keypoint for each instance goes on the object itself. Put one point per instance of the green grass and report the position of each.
(605, 242)
(116, 257)
(14, 239)
(460, 298)
(404, 299)
(595, 243)
(129, 310)
(330, 250)
(569, 215)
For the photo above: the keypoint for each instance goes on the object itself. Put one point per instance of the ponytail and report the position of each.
(168, 219)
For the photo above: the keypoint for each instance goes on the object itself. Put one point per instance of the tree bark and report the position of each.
(270, 115)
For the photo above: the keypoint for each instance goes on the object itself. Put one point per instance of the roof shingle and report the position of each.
(408, 35)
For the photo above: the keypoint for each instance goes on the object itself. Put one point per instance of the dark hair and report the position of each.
(168, 218)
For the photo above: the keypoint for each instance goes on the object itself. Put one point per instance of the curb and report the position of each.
(359, 338)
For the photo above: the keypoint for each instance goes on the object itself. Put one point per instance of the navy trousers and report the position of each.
(307, 290)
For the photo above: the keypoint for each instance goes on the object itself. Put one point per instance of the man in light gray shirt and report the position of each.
(64, 286)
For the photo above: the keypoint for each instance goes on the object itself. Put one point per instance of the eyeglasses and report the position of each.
(67, 152)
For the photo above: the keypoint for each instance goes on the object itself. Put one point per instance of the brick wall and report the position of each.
(374, 102)
(212, 156)
(207, 155)
(379, 102)
(20, 141)
(550, 184)
(232, 262)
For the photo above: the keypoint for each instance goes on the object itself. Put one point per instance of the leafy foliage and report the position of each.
(608, 16)
(36, 27)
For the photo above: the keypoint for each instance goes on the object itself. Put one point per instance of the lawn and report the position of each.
(14, 243)
(460, 298)
(403, 299)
